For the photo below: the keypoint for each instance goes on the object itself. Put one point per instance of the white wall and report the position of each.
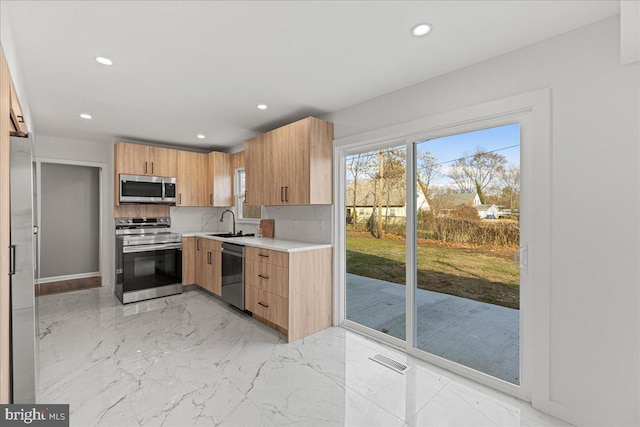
(594, 278)
(6, 40)
(69, 220)
(47, 147)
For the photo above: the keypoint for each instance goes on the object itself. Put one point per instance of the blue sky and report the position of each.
(449, 148)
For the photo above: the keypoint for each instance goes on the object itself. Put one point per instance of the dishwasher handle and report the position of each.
(234, 250)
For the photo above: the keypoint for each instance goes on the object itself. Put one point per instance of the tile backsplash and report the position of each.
(298, 223)
(186, 219)
(301, 223)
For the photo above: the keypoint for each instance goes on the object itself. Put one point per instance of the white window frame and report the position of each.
(533, 112)
(238, 198)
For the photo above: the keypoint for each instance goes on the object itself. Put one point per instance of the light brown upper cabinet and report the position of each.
(192, 188)
(138, 159)
(291, 165)
(16, 122)
(219, 179)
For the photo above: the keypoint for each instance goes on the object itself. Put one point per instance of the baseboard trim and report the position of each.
(61, 286)
(67, 277)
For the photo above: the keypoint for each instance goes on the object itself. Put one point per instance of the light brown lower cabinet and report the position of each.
(188, 261)
(209, 265)
(290, 291)
(208, 274)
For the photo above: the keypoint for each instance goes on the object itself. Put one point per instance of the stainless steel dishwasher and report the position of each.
(233, 274)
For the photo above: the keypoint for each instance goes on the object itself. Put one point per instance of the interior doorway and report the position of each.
(70, 227)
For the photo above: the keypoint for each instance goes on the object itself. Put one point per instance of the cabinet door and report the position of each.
(191, 179)
(220, 180)
(213, 272)
(16, 119)
(201, 262)
(132, 159)
(254, 171)
(291, 160)
(163, 162)
(189, 261)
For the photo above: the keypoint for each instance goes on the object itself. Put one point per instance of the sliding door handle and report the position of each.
(12, 260)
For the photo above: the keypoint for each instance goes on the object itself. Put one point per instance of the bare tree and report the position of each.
(510, 179)
(460, 179)
(358, 165)
(427, 168)
(480, 169)
(395, 161)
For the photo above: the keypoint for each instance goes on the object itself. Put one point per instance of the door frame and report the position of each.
(102, 188)
(533, 111)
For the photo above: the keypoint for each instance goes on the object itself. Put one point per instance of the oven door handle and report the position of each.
(148, 248)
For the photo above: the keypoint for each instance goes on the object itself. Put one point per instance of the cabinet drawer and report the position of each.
(269, 306)
(208, 244)
(268, 256)
(269, 277)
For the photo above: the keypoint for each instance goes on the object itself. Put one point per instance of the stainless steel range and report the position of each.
(148, 259)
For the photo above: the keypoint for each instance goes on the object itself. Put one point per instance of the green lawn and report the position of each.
(478, 273)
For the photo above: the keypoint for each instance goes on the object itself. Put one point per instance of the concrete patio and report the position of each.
(482, 336)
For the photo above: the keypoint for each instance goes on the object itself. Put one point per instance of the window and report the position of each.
(244, 211)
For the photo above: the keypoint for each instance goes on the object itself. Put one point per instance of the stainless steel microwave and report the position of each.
(147, 189)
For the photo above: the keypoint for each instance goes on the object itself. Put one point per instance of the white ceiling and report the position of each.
(183, 68)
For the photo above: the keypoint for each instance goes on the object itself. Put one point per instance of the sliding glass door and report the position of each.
(467, 294)
(375, 205)
(431, 241)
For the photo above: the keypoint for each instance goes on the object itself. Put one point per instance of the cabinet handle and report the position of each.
(263, 256)
(12, 260)
(197, 244)
(264, 305)
(151, 168)
(263, 277)
(282, 194)
(145, 167)
(286, 194)
(179, 198)
(208, 257)
(211, 199)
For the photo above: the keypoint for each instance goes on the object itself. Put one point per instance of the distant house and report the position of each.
(394, 200)
(487, 211)
(443, 204)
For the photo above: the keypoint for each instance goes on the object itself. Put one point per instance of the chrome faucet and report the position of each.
(234, 218)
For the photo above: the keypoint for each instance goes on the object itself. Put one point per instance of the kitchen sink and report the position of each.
(230, 235)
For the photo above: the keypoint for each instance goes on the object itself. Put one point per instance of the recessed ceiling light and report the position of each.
(200, 136)
(85, 116)
(421, 30)
(262, 106)
(103, 61)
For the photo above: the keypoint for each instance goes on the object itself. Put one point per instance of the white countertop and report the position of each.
(262, 242)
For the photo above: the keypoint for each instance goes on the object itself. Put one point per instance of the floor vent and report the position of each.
(390, 363)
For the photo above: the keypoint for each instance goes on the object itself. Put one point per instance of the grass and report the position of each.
(480, 273)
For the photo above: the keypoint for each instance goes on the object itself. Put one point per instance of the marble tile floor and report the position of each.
(192, 360)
